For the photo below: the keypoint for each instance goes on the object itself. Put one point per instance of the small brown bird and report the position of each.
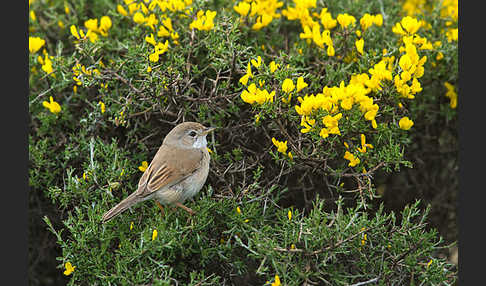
(177, 172)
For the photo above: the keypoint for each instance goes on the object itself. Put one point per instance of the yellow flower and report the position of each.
(326, 19)
(452, 35)
(364, 144)
(301, 84)
(91, 24)
(288, 85)
(256, 95)
(451, 94)
(408, 25)
(154, 234)
(330, 50)
(353, 161)
(256, 63)
(74, 32)
(102, 106)
(277, 281)
(363, 240)
(159, 49)
(366, 21)
(289, 215)
(262, 21)
(105, 25)
(35, 43)
(131, 225)
(167, 22)
(374, 124)
(53, 106)
(204, 20)
(150, 39)
(121, 10)
(405, 123)
(32, 15)
(273, 66)
(238, 210)
(139, 18)
(345, 20)
(143, 167)
(242, 8)
(281, 146)
(244, 79)
(66, 8)
(439, 56)
(290, 155)
(359, 45)
(69, 268)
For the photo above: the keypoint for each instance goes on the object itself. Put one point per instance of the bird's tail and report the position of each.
(121, 206)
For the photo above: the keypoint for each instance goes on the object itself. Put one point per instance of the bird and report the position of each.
(177, 172)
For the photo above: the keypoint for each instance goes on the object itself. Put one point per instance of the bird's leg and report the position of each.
(160, 207)
(190, 211)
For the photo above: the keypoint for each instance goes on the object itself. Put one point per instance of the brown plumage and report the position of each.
(177, 172)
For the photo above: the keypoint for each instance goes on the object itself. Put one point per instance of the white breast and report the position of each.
(200, 142)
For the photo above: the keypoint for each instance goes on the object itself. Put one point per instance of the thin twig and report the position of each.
(365, 282)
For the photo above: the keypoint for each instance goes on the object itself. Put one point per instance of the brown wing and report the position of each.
(168, 168)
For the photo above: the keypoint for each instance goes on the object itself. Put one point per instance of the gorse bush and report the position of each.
(311, 98)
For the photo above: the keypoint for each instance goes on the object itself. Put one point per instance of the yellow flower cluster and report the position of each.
(155, 16)
(264, 11)
(141, 14)
(253, 94)
(368, 20)
(204, 20)
(345, 20)
(410, 63)
(407, 26)
(448, 10)
(282, 147)
(46, 63)
(288, 87)
(256, 95)
(159, 48)
(414, 7)
(80, 70)
(344, 97)
(311, 28)
(352, 158)
(92, 29)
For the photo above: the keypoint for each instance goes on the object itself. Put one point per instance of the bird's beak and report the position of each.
(207, 130)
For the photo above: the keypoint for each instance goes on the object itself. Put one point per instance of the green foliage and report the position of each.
(117, 101)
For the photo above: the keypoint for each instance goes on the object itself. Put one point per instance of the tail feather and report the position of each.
(121, 206)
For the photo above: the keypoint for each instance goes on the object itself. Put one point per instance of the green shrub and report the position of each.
(306, 118)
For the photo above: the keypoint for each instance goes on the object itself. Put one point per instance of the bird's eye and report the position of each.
(192, 133)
